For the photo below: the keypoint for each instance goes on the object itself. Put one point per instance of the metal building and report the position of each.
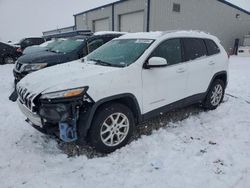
(59, 30)
(217, 17)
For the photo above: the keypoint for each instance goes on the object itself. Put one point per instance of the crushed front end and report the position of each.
(55, 113)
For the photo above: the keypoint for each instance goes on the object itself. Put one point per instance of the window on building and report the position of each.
(169, 50)
(194, 48)
(212, 48)
(176, 7)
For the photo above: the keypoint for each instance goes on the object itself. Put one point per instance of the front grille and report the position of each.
(26, 98)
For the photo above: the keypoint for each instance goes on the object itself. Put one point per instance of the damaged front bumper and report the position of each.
(60, 118)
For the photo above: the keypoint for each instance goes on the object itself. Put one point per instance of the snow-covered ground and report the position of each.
(209, 149)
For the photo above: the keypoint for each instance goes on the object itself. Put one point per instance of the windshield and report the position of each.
(67, 46)
(53, 44)
(121, 52)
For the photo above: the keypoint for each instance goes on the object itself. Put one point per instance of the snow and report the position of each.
(207, 149)
(143, 35)
(108, 32)
(171, 33)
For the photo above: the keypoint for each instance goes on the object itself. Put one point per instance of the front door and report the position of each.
(165, 85)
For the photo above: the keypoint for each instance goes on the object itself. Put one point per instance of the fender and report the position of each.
(85, 119)
(221, 73)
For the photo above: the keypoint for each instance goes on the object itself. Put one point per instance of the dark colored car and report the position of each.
(43, 47)
(8, 53)
(26, 42)
(68, 50)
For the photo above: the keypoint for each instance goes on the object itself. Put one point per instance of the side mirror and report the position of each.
(155, 62)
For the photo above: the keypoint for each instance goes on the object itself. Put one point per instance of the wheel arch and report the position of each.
(222, 75)
(126, 99)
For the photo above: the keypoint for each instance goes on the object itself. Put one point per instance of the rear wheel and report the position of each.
(215, 95)
(9, 60)
(112, 127)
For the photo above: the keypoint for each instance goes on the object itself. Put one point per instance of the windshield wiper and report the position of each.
(103, 63)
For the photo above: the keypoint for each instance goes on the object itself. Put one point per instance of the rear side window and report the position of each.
(194, 48)
(212, 47)
(169, 50)
(38, 41)
(94, 45)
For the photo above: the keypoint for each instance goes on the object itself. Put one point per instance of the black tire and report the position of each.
(103, 115)
(8, 60)
(209, 104)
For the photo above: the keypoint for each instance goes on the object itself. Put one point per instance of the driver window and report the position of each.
(94, 45)
(169, 50)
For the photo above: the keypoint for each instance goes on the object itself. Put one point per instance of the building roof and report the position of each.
(227, 2)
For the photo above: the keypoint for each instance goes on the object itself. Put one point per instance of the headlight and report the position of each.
(65, 93)
(33, 67)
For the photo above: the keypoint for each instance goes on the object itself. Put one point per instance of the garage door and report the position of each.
(132, 22)
(101, 25)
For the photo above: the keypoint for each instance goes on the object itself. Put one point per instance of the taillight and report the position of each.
(19, 50)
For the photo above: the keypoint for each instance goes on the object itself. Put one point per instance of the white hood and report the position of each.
(65, 76)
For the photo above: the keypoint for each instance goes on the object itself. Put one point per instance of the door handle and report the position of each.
(211, 63)
(180, 70)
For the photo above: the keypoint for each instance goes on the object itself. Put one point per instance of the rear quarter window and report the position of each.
(212, 47)
(194, 48)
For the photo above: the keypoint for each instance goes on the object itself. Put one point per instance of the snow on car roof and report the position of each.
(108, 32)
(143, 35)
(158, 34)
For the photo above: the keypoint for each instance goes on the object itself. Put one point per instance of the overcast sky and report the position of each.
(23, 18)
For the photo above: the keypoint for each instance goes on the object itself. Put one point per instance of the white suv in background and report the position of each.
(123, 83)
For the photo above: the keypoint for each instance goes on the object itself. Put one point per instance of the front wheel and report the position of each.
(215, 95)
(112, 127)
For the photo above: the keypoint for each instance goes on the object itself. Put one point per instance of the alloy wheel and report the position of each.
(114, 129)
(217, 94)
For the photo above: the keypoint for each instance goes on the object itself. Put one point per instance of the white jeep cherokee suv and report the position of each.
(128, 80)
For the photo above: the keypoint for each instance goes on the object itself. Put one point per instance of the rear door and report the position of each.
(165, 85)
(200, 72)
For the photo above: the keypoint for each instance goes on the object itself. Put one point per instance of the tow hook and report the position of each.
(68, 130)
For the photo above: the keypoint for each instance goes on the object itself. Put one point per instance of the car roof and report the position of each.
(173, 33)
(78, 37)
(99, 33)
(6, 44)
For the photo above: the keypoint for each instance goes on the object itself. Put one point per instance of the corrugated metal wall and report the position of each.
(102, 13)
(59, 30)
(209, 15)
(127, 7)
(81, 22)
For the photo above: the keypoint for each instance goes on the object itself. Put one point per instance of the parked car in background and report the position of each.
(43, 47)
(244, 50)
(8, 53)
(26, 42)
(68, 50)
(126, 81)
